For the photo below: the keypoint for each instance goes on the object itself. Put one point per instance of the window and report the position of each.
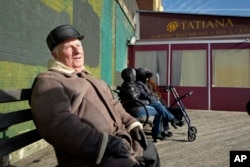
(156, 61)
(231, 68)
(189, 68)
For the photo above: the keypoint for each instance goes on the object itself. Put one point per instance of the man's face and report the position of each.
(70, 53)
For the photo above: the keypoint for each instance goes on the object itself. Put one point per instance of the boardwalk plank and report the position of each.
(218, 133)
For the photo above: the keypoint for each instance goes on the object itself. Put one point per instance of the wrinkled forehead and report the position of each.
(68, 43)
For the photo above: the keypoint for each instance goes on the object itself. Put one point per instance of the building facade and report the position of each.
(206, 54)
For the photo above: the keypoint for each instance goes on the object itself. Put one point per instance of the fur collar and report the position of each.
(56, 65)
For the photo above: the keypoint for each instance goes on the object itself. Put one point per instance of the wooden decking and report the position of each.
(218, 133)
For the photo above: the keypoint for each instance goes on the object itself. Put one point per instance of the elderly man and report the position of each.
(76, 114)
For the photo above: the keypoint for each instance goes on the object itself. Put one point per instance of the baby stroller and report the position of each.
(180, 112)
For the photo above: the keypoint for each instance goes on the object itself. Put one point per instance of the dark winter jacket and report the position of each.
(129, 92)
(76, 120)
(142, 74)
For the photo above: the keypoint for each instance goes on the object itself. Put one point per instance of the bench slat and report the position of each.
(12, 118)
(9, 145)
(14, 95)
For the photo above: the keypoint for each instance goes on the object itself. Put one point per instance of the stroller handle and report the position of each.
(172, 89)
(185, 95)
(190, 93)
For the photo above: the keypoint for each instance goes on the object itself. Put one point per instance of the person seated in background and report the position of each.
(154, 88)
(176, 111)
(77, 114)
(142, 75)
(129, 96)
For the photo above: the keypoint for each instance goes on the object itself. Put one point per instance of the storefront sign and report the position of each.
(156, 25)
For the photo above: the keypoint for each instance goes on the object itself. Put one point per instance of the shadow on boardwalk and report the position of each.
(218, 133)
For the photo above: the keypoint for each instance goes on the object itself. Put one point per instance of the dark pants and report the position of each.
(150, 156)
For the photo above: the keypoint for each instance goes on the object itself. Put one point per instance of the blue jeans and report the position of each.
(166, 115)
(151, 112)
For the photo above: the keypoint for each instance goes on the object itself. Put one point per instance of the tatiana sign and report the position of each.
(169, 25)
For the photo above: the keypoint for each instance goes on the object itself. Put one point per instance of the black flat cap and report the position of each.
(60, 34)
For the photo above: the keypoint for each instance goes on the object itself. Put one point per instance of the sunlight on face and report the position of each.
(70, 53)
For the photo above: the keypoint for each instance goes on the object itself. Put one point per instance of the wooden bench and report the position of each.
(13, 118)
(8, 119)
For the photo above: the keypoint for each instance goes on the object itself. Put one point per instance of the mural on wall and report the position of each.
(123, 32)
(23, 33)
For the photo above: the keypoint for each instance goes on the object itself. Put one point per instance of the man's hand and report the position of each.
(138, 134)
(117, 148)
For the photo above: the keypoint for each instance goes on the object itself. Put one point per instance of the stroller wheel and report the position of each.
(191, 135)
(193, 129)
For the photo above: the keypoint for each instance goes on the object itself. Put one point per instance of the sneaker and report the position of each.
(175, 122)
(167, 134)
(180, 123)
(160, 137)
